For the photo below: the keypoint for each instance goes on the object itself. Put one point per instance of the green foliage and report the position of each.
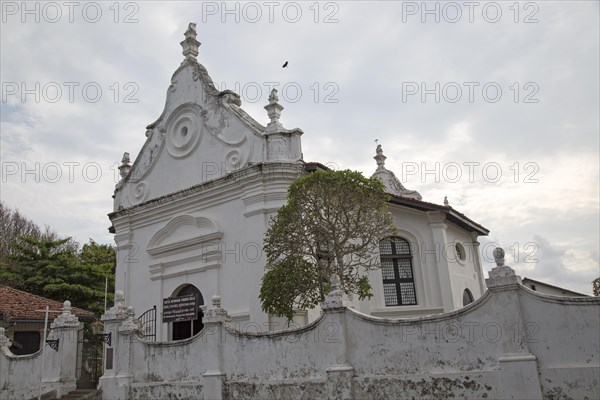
(596, 287)
(332, 223)
(286, 281)
(56, 269)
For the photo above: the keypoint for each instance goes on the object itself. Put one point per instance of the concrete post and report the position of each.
(120, 324)
(340, 376)
(519, 371)
(64, 328)
(214, 378)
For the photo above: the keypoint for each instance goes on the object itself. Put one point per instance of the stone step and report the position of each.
(80, 394)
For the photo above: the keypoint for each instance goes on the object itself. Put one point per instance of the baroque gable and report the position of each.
(201, 135)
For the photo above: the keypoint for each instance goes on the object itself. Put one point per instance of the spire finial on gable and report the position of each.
(380, 158)
(446, 201)
(125, 167)
(273, 98)
(190, 45)
(274, 112)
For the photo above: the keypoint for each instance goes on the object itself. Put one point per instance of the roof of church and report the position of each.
(17, 305)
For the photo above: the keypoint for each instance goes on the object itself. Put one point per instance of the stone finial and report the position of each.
(501, 274)
(335, 282)
(65, 319)
(190, 45)
(274, 112)
(334, 297)
(216, 301)
(498, 254)
(273, 98)
(125, 166)
(131, 324)
(446, 201)
(380, 158)
(4, 341)
(119, 302)
(119, 310)
(215, 313)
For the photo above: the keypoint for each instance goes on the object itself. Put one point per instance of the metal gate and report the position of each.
(89, 358)
(148, 321)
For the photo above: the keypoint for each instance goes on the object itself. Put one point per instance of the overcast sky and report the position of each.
(492, 104)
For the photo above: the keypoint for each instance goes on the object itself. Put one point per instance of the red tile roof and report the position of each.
(18, 305)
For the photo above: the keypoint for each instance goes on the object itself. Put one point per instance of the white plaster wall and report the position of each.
(20, 375)
(564, 333)
(465, 274)
(470, 353)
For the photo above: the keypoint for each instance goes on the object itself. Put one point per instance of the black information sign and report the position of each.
(184, 308)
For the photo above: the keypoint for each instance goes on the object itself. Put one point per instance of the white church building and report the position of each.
(190, 214)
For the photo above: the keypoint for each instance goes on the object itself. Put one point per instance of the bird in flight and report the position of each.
(285, 64)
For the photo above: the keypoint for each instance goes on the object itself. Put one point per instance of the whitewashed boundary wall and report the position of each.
(512, 343)
(20, 375)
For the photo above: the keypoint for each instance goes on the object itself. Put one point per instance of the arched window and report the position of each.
(397, 272)
(467, 297)
(186, 329)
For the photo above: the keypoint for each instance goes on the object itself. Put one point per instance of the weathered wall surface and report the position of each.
(20, 375)
(511, 343)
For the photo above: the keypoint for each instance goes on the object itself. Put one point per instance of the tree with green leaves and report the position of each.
(596, 287)
(56, 269)
(332, 224)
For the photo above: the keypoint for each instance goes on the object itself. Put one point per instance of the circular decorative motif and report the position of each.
(233, 160)
(183, 131)
(139, 193)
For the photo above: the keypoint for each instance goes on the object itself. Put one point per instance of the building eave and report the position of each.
(452, 215)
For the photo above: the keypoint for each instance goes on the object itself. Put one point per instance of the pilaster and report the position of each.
(438, 229)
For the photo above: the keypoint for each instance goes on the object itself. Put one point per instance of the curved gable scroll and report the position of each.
(184, 233)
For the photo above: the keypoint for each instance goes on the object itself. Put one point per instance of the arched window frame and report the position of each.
(397, 272)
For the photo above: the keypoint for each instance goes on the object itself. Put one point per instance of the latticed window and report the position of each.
(396, 268)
